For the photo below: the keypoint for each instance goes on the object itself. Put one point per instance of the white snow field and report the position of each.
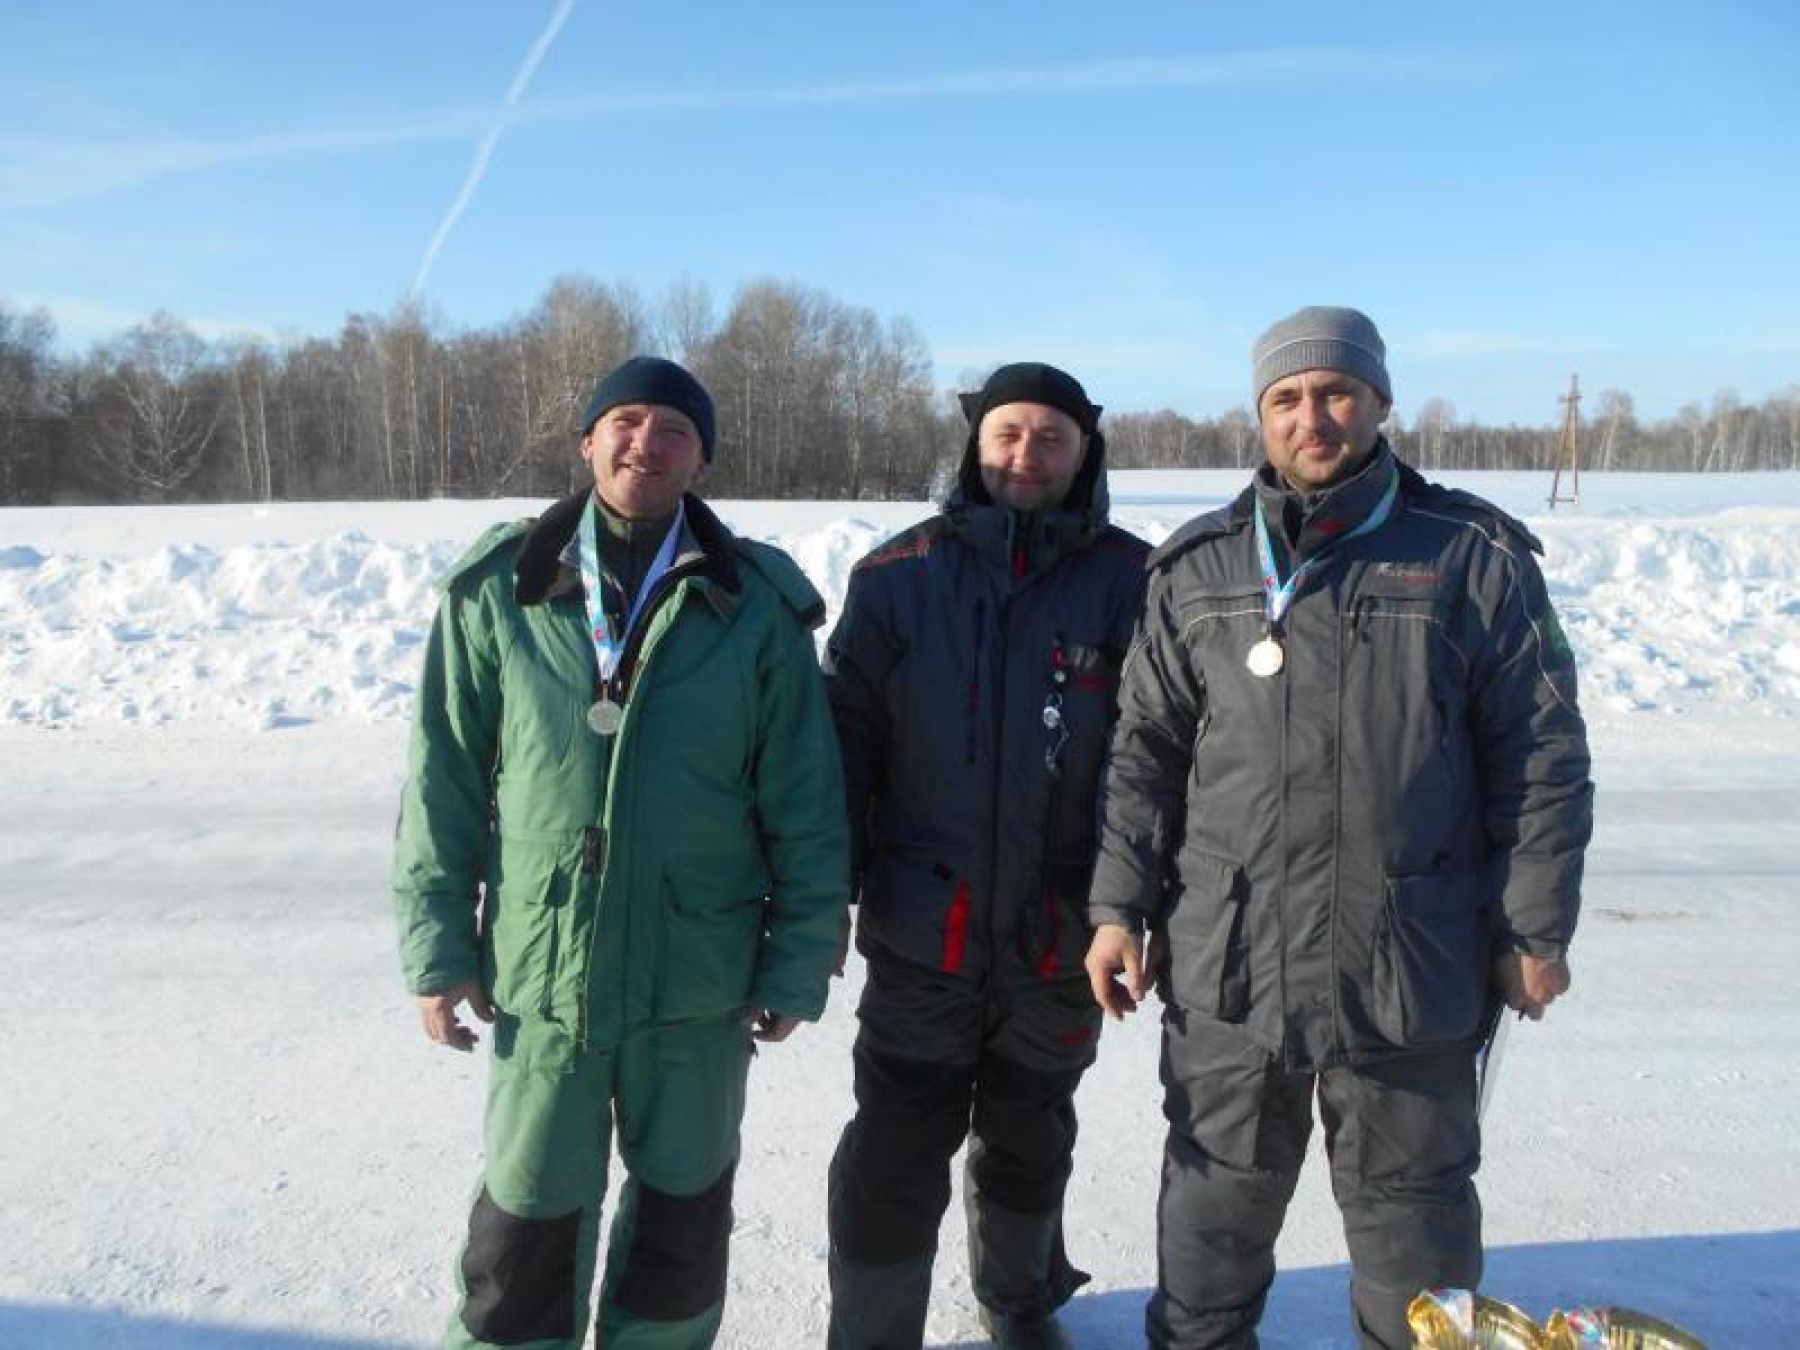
(223, 1129)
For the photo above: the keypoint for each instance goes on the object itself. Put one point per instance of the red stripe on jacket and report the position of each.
(956, 929)
(1046, 968)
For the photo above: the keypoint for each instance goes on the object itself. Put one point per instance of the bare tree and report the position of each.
(1433, 427)
(577, 332)
(157, 417)
(685, 319)
(249, 370)
(1617, 417)
(1241, 435)
(28, 414)
(1786, 407)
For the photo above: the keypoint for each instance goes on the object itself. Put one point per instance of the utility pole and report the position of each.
(1568, 449)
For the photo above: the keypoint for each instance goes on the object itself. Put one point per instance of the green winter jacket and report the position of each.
(692, 865)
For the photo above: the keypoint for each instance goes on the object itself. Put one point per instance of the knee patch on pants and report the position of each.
(1025, 1124)
(679, 1250)
(518, 1275)
(890, 1178)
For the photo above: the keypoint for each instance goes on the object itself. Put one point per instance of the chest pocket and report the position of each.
(1395, 630)
(1405, 697)
(1395, 593)
(1086, 678)
(694, 703)
(1219, 626)
(1084, 689)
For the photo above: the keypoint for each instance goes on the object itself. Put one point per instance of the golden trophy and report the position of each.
(1614, 1329)
(1461, 1319)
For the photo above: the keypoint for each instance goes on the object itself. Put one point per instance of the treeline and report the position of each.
(815, 399)
(1728, 435)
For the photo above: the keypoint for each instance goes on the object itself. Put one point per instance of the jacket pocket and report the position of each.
(1209, 938)
(917, 907)
(1085, 684)
(1430, 977)
(524, 926)
(711, 936)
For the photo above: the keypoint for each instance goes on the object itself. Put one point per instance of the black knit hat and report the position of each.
(1032, 382)
(651, 379)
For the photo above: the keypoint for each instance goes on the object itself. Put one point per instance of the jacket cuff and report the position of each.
(433, 959)
(1544, 949)
(441, 975)
(1128, 919)
(781, 997)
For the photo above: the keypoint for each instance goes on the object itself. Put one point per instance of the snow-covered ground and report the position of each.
(222, 1129)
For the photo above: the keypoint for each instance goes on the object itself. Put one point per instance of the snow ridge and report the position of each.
(1666, 614)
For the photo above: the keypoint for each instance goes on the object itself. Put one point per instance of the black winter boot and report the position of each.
(1025, 1333)
(878, 1307)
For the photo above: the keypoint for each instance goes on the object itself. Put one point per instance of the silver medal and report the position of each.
(1265, 658)
(604, 717)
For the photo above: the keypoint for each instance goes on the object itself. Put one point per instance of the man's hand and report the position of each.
(439, 1013)
(1530, 983)
(769, 1026)
(1116, 949)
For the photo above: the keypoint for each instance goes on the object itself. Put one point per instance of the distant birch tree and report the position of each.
(156, 412)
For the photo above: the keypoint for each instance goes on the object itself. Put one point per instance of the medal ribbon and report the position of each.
(609, 645)
(1278, 595)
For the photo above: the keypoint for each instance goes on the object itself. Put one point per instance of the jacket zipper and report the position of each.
(1043, 960)
(634, 641)
(994, 793)
(621, 683)
(972, 704)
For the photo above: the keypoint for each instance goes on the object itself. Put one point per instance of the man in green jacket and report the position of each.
(623, 844)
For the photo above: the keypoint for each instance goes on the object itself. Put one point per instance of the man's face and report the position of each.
(1319, 424)
(1029, 454)
(644, 456)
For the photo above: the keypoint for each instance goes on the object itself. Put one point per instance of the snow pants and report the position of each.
(675, 1094)
(938, 1060)
(1403, 1143)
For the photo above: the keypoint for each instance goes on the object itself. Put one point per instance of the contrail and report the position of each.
(485, 149)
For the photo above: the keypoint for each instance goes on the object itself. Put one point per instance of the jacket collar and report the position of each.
(1303, 523)
(540, 573)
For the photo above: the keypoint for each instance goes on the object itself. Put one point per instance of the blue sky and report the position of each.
(1514, 191)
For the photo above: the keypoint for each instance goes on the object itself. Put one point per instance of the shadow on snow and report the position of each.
(48, 1326)
(1729, 1289)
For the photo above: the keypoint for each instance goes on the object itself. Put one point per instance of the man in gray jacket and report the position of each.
(1349, 792)
(973, 676)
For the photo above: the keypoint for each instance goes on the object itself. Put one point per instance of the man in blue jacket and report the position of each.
(972, 677)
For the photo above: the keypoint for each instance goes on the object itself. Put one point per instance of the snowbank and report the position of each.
(269, 617)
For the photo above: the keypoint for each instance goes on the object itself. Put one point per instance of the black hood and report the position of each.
(1087, 497)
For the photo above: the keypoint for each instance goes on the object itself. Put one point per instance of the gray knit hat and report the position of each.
(1322, 337)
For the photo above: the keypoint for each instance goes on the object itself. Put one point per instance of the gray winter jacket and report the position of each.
(974, 821)
(1337, 851)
